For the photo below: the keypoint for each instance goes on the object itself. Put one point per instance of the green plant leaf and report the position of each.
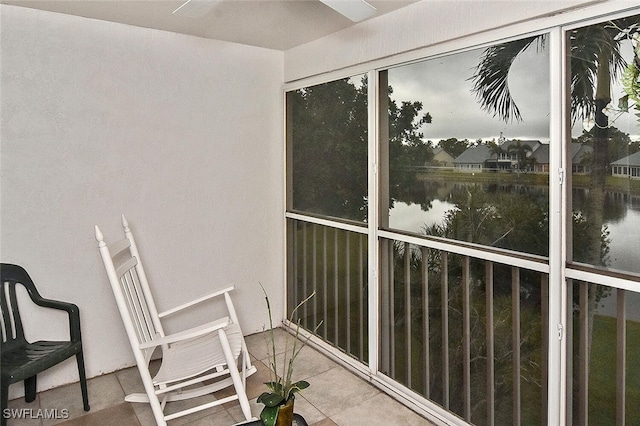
(298, 386)
(275, 387)
(269, 415)
(270, 399)
(623, 103)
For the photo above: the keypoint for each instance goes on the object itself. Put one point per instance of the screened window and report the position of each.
(605, 220)
(606, 144)
(327, 147)
(487, 111)
(327, 153)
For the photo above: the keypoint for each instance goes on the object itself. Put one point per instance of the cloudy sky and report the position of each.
(443, 86)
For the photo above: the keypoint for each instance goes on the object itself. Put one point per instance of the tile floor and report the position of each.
(335, 397)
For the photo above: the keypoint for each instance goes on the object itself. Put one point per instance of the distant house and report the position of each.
(481, 157)
(473, 159)
(508, 158)
(541, 157)
(578, 153)
(533, 144)
(628, 166)
(441, 158)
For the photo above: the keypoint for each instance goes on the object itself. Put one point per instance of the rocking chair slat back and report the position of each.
(138, 307)
(134, 291)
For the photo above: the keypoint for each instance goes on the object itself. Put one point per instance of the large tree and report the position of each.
(454, 146)
(620, 144)
(329, 147)
(520, 151)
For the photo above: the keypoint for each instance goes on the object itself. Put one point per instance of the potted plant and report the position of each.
(278, 402)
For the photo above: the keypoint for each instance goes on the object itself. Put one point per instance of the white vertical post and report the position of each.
(372, 217)
(559, 209)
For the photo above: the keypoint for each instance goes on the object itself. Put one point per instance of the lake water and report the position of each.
(412, 218)
(624, 232)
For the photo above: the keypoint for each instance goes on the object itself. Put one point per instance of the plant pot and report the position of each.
(285, 414)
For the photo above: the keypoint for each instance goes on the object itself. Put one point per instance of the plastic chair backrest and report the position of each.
(11, 324)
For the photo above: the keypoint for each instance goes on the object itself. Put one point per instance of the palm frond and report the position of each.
(589, 47)
(491, 85)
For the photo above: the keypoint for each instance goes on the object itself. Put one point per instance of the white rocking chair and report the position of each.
(215, 350)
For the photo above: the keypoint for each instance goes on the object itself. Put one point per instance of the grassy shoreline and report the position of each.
(614, 184)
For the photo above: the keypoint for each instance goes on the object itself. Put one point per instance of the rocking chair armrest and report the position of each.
(191, 333)
(195, 302)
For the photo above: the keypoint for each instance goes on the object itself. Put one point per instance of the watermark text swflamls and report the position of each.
(36, 413)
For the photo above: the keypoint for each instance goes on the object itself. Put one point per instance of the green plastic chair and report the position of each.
(23, 360)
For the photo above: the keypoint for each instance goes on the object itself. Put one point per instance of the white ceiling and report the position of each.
(274, 24)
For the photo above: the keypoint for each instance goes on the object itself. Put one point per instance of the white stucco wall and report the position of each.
(183, 135)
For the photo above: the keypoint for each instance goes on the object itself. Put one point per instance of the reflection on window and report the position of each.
(605, 150)
(476, 169)
(327, 143)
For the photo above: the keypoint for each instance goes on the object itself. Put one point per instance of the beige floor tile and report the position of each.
(118, 415)
(379, 409)
(222, 418)
(236, 412)
(104, 392)
(259, 346)
(310, 363)
(310, 413)
(144, 413)
(24, 413)
(336, 390)
(324, 422)
(174, 407)
(130, 381)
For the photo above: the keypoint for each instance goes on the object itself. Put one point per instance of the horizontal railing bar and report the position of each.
(603, 276)
(531, 262)
(360, 228)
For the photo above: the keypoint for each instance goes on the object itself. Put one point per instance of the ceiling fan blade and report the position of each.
(356, 10)
(195, 8)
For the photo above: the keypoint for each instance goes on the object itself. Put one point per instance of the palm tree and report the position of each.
(520, 150)
(495, 149)
(595, 60)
